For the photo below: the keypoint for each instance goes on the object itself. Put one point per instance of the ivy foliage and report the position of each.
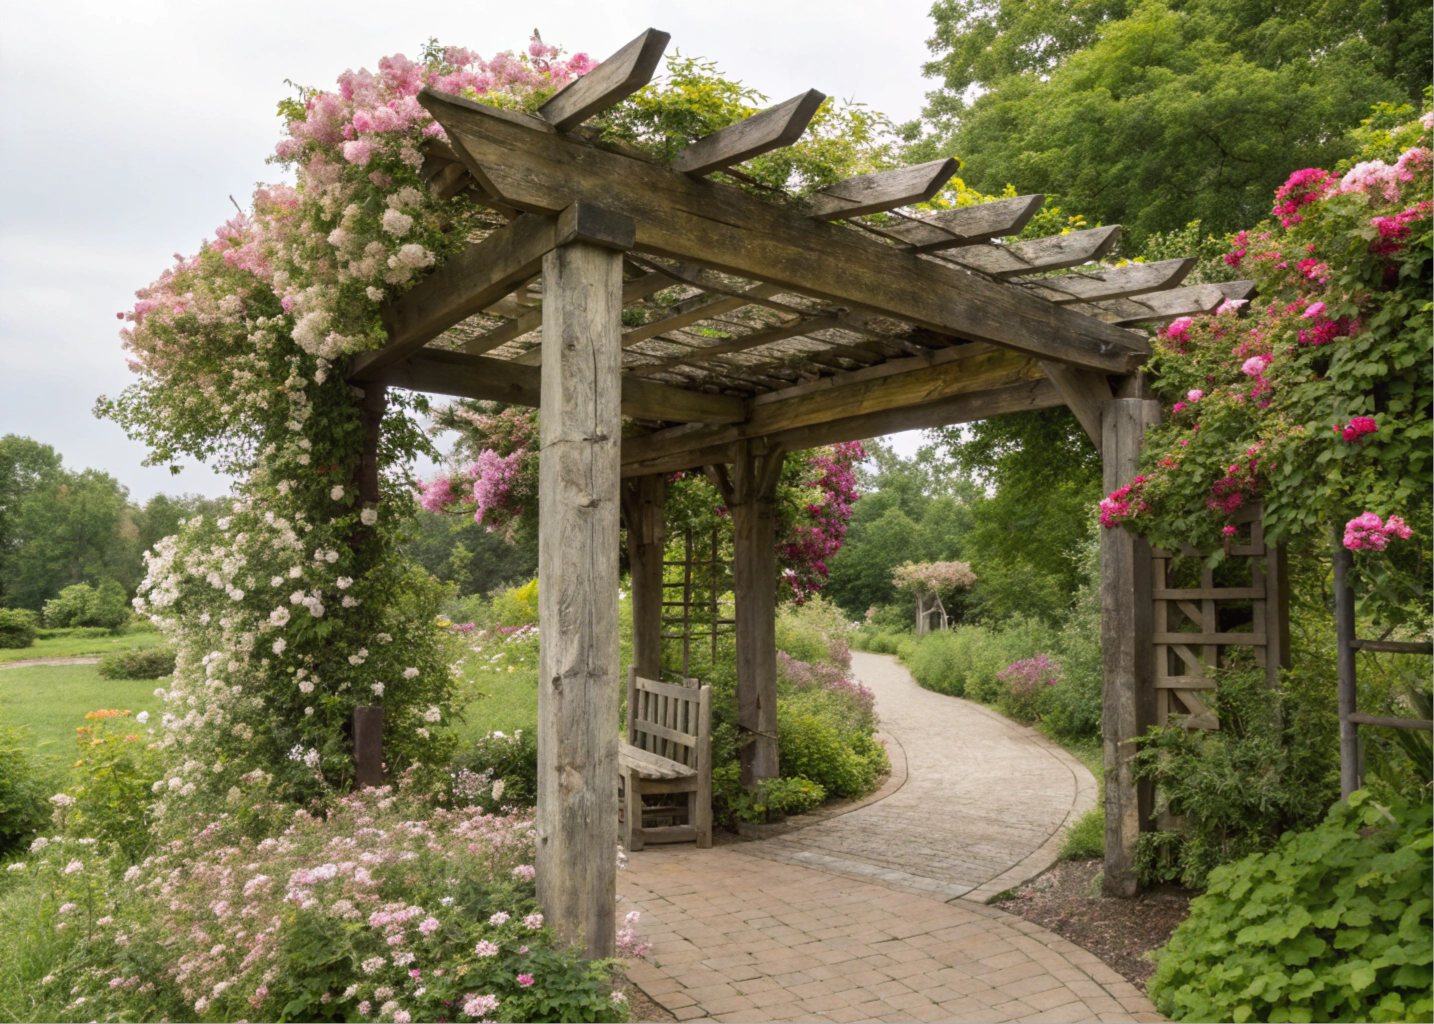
(1333, 924)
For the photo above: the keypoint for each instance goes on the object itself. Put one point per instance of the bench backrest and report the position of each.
(669, 720)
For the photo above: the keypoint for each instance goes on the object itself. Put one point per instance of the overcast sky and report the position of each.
(130, 123)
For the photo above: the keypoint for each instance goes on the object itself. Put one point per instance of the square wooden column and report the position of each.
(1128, 704)
(578, 673)
(644, 501)
(754, 489)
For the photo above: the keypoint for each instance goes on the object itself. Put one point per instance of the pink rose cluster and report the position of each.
(807, 547)
(1241, 481)
(1367, 532)
(1123, 504)
(1357, 428)
(1303, 187)
(1376, 178)
(1394, 229)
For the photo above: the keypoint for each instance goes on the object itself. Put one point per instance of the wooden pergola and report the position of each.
(798, 324)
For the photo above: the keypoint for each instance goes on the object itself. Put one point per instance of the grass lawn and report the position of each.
(52, 700)
(70, 647)
(508, 702)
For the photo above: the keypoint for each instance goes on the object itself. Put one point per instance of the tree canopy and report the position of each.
(1154, 114)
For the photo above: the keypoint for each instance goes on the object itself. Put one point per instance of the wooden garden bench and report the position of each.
(668, 758)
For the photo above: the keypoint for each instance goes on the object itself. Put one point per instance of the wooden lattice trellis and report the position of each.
(701, 583)
(1193, 626)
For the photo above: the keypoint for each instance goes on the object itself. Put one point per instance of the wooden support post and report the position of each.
(644, 508)
(1128, 706)
(368, 746)
(578, 676)
(754, 484)
(1344, 634)
(372, 407)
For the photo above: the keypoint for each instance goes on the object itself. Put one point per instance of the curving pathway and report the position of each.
(876, 911)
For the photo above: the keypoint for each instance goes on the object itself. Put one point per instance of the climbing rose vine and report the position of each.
(1316, 401)
(295, 604)
(933, 577)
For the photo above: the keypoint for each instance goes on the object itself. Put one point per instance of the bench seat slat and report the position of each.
(648, 763)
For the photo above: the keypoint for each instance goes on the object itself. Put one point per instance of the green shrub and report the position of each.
(111, 788)
(1333, 924)
(83, 605)
(1086, 837)
(816, 631)
(17, 627)
(1271, 767)
(149, 663)
(811, 746)
(499, 770)
(732, 803)
(75, 633)
(516, 606)
(879, 641)
(24, 787)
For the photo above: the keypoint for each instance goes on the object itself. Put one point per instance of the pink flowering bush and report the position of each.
(387, 908)
(1316, 399)
(1025, 682)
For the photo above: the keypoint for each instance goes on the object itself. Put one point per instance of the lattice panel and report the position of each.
(1195, 625)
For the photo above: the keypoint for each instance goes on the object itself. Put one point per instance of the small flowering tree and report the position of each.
(1317, 400)
(927, 581)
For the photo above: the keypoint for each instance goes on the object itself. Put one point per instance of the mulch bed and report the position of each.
(1067, 900)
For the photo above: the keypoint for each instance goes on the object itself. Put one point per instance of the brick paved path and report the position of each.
(877, 913)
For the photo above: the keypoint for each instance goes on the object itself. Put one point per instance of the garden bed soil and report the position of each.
(1122, 932)
(642, 1008)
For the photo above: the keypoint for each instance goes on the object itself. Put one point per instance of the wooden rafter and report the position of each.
(613, 80)
(1114, 282)
(886, 190)
(1192, 300)
(527, 164)
(761, 133)
(967, 225)
(1039, 254)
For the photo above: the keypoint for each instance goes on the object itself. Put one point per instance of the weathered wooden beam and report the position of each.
(1191, 300)
(643, 506)
(761, 133)
(1126, 628)
(885, 190)
(465, 284)
(503, 380)
(530, 320)
(724, 228)
(754, 589)
(802, 327)
(966, 225)
(1039, 254)
(612, 81)
(1114, 282)
(1032, 394)
(1084, 391)
(892, 385)
(578, 545)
